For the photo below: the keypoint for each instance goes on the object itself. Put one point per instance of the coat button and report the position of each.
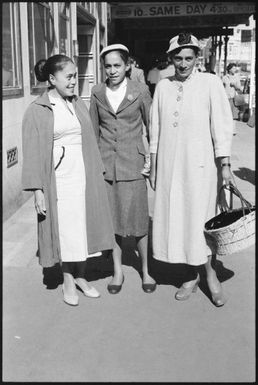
(180, 89)
(175, 124)
(178, 98)
(176, 113)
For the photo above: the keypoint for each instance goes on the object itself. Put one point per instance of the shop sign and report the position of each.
(181, 9)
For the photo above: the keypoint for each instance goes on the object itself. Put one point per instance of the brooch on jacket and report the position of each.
(130, 97)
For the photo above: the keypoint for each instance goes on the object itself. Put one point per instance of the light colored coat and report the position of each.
(120, 133)
(38, 173)
(191, 125)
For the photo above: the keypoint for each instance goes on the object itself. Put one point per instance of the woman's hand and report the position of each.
(227, 175)
(152, 177)
(39, 201)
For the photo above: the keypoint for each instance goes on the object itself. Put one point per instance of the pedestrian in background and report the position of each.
(63, 167)
(135, 73)
(190, 145)
(153, 76)
(232, 86)
(168, 70)
(118, 109)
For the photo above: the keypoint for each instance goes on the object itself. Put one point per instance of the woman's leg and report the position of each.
(142, 246)
(213, 282)
(191, 275)
(190, 284)
(79, 274)
(117, 259)
(68, 269)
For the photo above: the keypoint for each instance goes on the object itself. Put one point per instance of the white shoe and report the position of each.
(92, 292)
(97, 254)
(72, 300)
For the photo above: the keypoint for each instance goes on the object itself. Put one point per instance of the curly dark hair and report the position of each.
(230, 65)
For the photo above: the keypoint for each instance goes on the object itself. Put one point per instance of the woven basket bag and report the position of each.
(233, 229)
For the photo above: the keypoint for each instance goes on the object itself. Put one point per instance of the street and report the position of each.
(131, 336)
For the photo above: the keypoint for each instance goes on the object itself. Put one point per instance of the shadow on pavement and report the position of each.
(164, 273)
(97, 268)
(52, 276)
(245, 174)
(173, 273)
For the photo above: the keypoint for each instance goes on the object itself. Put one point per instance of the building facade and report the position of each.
(32, 31)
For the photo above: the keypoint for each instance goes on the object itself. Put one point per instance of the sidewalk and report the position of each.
(132, 336)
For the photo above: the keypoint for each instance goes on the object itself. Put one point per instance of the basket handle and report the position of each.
(233, 190)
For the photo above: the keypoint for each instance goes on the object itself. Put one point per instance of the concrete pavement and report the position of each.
(132, 336)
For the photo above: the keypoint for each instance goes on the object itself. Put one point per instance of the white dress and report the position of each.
(70, 181)
(191, 124)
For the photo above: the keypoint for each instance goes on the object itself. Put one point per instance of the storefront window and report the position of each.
(99, 8)
(11, 50)
(87, 5)
(41, 38)
(64, 28)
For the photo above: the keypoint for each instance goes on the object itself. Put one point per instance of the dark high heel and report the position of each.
(149, 287)
(184, 292)
(114, 289)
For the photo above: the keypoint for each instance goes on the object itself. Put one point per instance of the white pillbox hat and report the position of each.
(113, 47)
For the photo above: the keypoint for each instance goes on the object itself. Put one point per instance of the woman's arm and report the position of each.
(226, 173)
(145, 108)
(31, 167)
(221, 128)
(152, 177)
(94, 115)
(31, 151)
(154, 136)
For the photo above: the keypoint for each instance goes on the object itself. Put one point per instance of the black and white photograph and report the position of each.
(128, 185)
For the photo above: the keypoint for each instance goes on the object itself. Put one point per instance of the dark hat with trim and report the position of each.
(183, 40)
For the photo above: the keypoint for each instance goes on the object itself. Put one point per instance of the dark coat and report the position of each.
(38, 173)
(120, 134)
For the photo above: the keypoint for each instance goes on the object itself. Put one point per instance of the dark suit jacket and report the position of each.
(119, 134)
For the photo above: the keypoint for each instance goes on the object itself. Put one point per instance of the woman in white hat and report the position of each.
(118, 109)
(190, 143)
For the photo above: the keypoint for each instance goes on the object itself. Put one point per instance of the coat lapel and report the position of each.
(44, 100)
(131, 95)
(101, 96)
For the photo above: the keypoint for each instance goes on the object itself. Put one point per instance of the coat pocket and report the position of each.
(60, 156)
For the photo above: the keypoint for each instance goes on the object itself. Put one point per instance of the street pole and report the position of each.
(252, 74)
(226, 38)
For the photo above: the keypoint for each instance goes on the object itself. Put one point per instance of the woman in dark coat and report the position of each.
(63, 166)
(118, 109)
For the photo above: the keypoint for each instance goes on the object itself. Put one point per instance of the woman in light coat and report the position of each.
(118, 109)
(63, 167)
(190, 144)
